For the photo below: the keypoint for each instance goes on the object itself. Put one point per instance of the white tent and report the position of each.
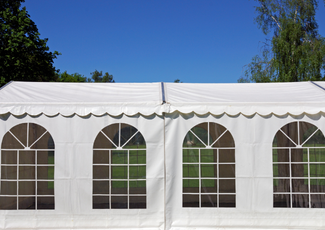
(162, 156)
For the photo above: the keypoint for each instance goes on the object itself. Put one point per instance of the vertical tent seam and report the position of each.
(163, 93)
(317, 85)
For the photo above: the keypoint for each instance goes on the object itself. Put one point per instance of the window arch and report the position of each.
(209, 167)
(27, 168)
(119, 168)
(299, 166)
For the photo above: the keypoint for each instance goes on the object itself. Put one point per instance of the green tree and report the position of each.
(97, 76)
(296, 51)
(24, 56)
(75, 77)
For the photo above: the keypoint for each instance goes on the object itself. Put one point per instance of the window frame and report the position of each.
(110, 165)
(36, 178)
(216, 164)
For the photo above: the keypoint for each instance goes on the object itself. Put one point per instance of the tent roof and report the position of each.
(49, 98)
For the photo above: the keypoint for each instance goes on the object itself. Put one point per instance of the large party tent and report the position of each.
(162, 156)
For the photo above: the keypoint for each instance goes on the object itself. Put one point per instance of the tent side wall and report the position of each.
(184, 174)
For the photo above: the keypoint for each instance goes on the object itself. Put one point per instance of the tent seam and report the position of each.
(315, 84)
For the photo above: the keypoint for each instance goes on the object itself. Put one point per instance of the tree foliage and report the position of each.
(75, 77)
(96, 76)
(296, 51)
(24, 56)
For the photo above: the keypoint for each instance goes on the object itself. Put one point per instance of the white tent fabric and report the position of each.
(246, 98)
(48, 98)
(75, 113)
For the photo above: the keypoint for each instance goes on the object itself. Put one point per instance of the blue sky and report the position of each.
(204, 41)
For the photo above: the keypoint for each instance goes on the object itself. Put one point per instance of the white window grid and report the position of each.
(110, 179)
(110, 164)
(200, 178)
(17, 196)
(290, 163)
(290, 178)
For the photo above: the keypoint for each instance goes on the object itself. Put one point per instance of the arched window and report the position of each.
(299, 166)
(119, 168)
(209, 167)
(27, 168)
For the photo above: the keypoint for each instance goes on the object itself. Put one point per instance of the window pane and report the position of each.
(137, 156)
(201, 131)
(101, 142)
(119, 157)
(299, 155)
(136, 142)
(8, 172)
(227, 170)
(46, 142)
(26, 187)
(8, 203)
(226, 155)
(317, 185)
(20, 132)
(112, 132)
(209, 200)
(100, 172)
(26, 172)
(317, 155)
(137, 187)
(45, 202)
(280, 155)
(225, 141)
(100, 202)
(281, 201)
(137, 172)
(45, 172)
(191, 140)
(317, 170)
(8, 157)
(100, 187)
(318, 201)
(119, 172)
(10, 142)
(126, 133)
(190, 170)
(300, 200)
(119, 202)
(8, 188)
(208, 170)
(35, 132)
(101, 157)
(227, 186)
(26, 202)
(119, 187)
(299, 170)
(209, 186)
(26, 157)
(317, 140)
(138, 202)
(291, 130)
(299, 185)
(190, 186)
(191, 155)
(208, 155)
(45, 188)
(227, 201)
(45, 157)
(190, 201)
(281, 185)
(281, 170)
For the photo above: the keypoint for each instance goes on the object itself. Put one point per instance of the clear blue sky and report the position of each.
(205, 41)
